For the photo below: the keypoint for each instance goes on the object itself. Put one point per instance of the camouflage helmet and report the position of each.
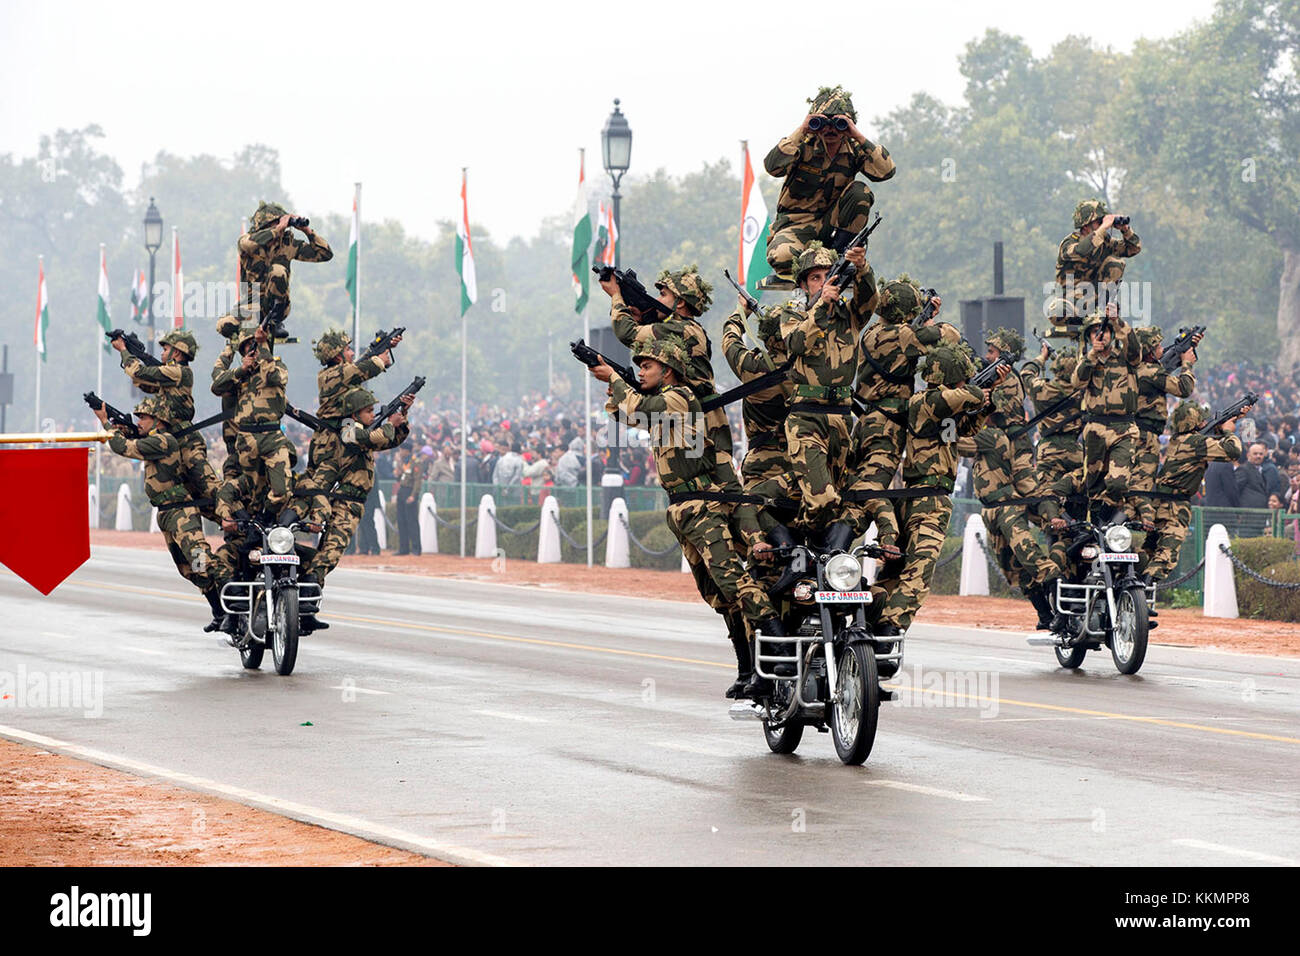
(815, 256)
(946, 365)
(245, 335)
(688, 285)
(182, 341)
(154, 406)
(355, 399)
(1064, 361)
(227, 326)
(1009, 343)
(1149, 336)
(1186, 417)
(1091, 321)
(1060, 308)
(669, 351)
(330, 345)
(833, 101)
(1087, 211)
(900, 299)
(265, 214)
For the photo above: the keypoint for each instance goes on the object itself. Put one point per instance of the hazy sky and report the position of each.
(400, 96)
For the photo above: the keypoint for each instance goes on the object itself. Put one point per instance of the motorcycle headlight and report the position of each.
(1118, 538)
(280, 540)
(843, 572)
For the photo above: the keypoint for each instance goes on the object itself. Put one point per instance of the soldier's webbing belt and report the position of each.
(344, 496)
(210, 420)
(895, 494)
(1150, 425)
(1164, 495)
(890, 377)
(1039, 499)
(731, 497)
(766, 380)
(186, 503)
(1108, 419)
(765, 440)
(258, 426)
(816, 409)
(1056, 406)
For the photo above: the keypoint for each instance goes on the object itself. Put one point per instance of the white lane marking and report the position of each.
(145, 650)
(62, 637)
(347, 823)
(525, 718)
(1237, 851)
(930, 791)
(692, 748)
(362, 690)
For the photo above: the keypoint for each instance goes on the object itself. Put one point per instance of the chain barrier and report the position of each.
(1181, 579)
(526, 529)
(579, 545)
(942, 562)
(633, 538)
(452, 524)
(992, 561)
(1252, 573)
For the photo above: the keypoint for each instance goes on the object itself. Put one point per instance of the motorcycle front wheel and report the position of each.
(784, 739)
(1071, 657)
(284, 643)
(1128, 634)
(855, 712)
(250, 655)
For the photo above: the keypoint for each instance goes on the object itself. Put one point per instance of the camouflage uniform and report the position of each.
(262, 449)
(821, 197)
(888, 351)
(228, 329)
(265, 258)
(1109, 401)
(1154, 384)
(164, 485)
(936, 418)
(1058, 452)
(1186, 458)
(766, 467)
(173, 382)
(1085, 263)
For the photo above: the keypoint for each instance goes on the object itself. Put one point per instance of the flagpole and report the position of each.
(41, 266)
(356, 310)
(464, 413)
(586, 417)
(99, 387)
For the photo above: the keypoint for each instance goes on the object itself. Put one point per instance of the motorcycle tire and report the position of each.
(1071, 657)
(854, 716)
(284, 642)
(250, 655)
(785, 739)
(1128, 633)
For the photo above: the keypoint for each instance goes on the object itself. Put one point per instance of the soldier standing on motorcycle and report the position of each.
(1154, 386)
(1057, 451)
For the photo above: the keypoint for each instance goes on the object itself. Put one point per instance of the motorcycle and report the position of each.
(266, 595)
(826, 672)
(1101, 602)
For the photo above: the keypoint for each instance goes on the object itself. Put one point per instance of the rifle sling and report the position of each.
(766, 380)
(210, 420)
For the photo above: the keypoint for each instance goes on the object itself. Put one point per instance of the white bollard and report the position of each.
(616, 541)
(428, 524)
(548, 532)
(153, 522)
(122, 521)
(869, 564)
(1220, 586)
(92, 506)
(974, 565)
(381, 523)
(485, 544)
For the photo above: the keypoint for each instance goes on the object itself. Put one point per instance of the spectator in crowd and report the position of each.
(569, 470)
(1221, 485)
(1252, 483)
(509, 468)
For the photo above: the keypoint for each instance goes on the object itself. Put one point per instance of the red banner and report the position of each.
(44, 525)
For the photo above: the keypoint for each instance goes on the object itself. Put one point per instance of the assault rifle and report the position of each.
(843, 270)
(115, 416)
(926, 314)
(396, 405)
(751, 304)
(134, 346)
(1050, 351)
(1232, 411)
(306, 418)
(634, 293)
(1173, 356)
(988, 375)
(383, 342)
(589, 357)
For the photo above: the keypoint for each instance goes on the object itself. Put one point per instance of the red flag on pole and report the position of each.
(43, 504)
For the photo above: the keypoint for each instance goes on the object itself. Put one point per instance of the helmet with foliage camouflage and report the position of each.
(266, 213)
(355, 399)
(1187, 417)
(182, 341)
(900, 299)
(1091, 321)
(669, 351)
(1088, 211)
(947, 365)
(245, 335)
(1009, 343)
(155, 406)
(227, 326)
(1063, 362)
(814, 256)
(1149, 336)
(331, 345)
(689, 286)
(833, 101)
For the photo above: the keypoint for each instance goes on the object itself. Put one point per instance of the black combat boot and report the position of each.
(1042, 605)
(838, 537)
(781, 537)
(772, 627)
(214, 601)
(309, 622)
(886, 630)
(744, 667)
(840, 239)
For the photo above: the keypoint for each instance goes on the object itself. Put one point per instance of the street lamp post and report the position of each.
(153, 226)
(616, 154)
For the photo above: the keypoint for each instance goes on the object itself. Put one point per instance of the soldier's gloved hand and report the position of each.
(1059, 524)
(610, 286)
(119, 344)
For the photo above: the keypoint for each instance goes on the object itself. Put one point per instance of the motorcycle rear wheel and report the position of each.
(854, 715)
(284, 642)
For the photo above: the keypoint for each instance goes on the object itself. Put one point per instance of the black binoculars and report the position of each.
(819, 123)
(1120, 221)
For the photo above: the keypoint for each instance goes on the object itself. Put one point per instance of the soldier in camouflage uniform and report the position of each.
(164, 484)
(1107, 375)
(173, 382)
(888, 352)
(262, 449)
(1090, 262)
(937, 418)
(228, 329)
(1154, 385)
(687, 469)
(1188, 455)
(822, 341)
(1058, 451)
(821, 197)
(339, 374)
(266, 254)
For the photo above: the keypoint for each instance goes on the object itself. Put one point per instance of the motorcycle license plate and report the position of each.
(843, 597)
(1124, 557)
(279, 559)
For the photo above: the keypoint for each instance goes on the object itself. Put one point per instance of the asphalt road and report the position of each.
(493, 724)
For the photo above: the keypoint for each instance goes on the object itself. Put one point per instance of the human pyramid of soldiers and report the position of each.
(839, 439)
(323, 503)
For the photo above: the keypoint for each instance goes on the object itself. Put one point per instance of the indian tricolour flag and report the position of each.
(606, 235)
(581, 240)
(102, 311)
(178, 282)
(354, 250)
(465, 250)
(754, 222)
(42, 311)
(139, 298)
